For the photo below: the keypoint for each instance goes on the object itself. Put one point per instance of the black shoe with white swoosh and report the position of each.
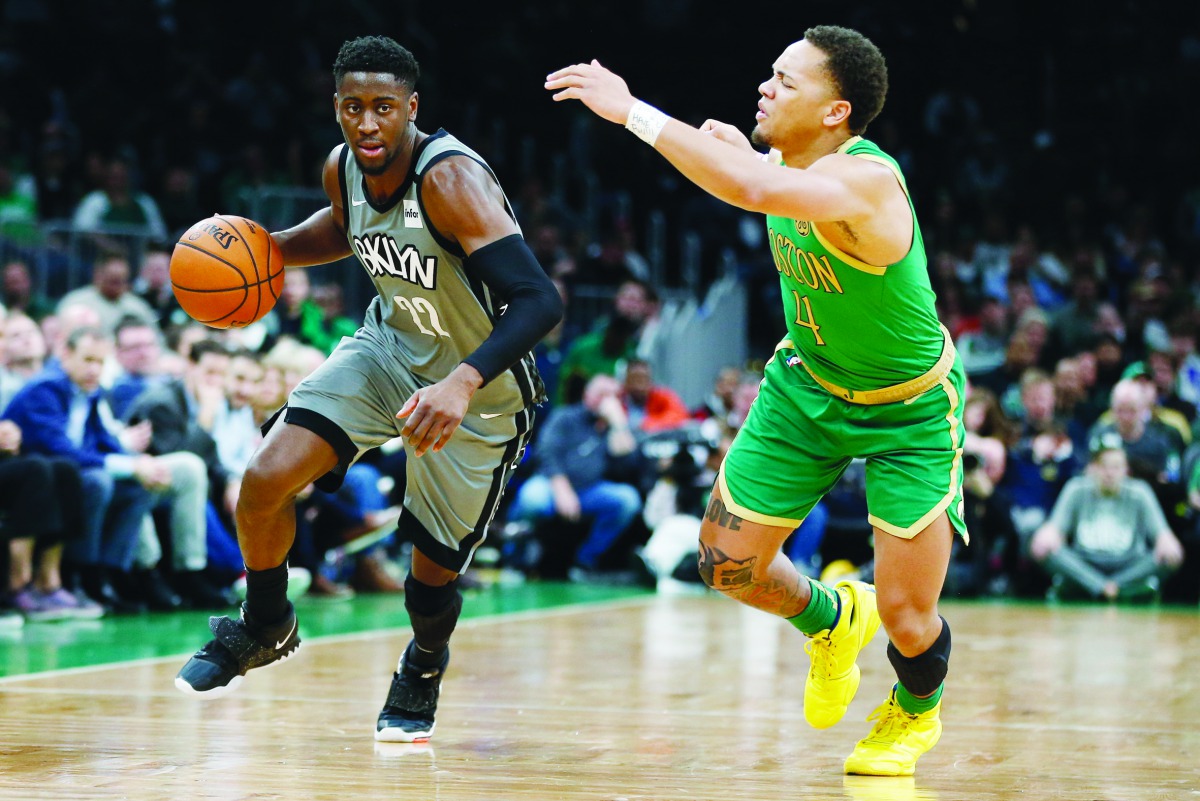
(407, 715)
(238, 646)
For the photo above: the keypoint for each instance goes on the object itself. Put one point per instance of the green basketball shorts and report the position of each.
(798, 439)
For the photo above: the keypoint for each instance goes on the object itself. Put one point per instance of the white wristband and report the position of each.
(646, 122)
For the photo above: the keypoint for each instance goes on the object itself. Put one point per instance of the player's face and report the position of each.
(374, 111)
(796, 99)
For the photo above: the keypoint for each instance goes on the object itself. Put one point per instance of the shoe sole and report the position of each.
(220, 692)
(402, 736)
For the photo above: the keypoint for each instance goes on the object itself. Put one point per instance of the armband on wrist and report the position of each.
(646, 122)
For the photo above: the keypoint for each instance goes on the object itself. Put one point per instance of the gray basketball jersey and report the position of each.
(434, 313)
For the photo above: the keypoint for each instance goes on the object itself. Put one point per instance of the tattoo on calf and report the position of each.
(735, 579)
(721, 572)
(717, 513)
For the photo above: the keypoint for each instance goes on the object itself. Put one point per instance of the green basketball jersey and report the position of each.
(439, 313)
(856, 325)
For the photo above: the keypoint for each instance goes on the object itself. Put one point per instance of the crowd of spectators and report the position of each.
(1065, 264)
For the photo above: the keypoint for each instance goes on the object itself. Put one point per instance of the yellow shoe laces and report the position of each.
(892, 722)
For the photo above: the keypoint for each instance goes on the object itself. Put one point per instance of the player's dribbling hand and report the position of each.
(726, 133)
(434, 412)
(600, 89)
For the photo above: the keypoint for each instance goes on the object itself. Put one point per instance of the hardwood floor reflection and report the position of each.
(665, 698)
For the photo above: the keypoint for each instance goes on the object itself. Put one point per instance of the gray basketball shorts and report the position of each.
(452, 495)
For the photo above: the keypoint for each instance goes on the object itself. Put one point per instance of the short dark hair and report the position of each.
(245, 353)
(205, 346)
(132, 321)
(377, 54)
(86, 332)
(857, 68)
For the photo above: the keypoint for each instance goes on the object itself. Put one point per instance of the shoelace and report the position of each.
(893, 722)
(822, 654)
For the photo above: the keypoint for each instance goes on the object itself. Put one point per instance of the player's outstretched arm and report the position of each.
(322, 237)
(835, 188)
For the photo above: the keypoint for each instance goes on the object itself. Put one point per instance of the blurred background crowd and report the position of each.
(1058, 200)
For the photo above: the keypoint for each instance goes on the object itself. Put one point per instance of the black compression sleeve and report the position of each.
(512, 273)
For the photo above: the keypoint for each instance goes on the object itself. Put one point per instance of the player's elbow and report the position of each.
(747, 196)
(544, 308)
(552, 310)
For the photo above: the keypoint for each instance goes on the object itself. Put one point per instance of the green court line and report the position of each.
(64, 645)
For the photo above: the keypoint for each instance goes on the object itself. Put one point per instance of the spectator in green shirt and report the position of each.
(622, 335)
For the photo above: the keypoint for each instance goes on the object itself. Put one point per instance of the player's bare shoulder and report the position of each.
(331, 180)
(465, 202)
(867, 178)
(883, 233)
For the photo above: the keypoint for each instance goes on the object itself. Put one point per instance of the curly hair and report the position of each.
(377, 54)
(857, 69)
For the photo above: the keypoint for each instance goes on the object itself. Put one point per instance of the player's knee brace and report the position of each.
(922, 674)
(433, 611)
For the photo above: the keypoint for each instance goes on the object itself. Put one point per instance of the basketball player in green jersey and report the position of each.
(442, 360)
(865, 371)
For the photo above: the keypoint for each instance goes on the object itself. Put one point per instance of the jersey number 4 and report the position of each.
(804, 316)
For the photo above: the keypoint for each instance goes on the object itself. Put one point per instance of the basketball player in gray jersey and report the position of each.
(442, 361)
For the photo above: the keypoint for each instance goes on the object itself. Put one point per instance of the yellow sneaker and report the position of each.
(896, 742)
(833, 676)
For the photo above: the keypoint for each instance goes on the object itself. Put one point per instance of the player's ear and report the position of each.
(839, 112)
(412, 107)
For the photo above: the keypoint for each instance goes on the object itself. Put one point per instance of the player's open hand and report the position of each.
(434, 412)
(600, 89)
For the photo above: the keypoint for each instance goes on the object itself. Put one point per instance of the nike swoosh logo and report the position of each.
(358, 202)
(490, 416)
(283, 642)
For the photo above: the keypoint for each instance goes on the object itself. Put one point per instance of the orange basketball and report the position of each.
(226, 271)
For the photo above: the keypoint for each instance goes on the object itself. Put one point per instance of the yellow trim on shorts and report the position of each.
(955, 466)
(749, 514)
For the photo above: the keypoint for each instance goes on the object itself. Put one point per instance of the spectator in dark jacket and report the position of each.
(60, 414)
(576, 452)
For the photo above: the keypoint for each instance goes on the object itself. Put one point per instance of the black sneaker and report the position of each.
(240, 645)
(407, 715)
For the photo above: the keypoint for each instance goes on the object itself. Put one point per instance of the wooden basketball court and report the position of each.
(648, 697)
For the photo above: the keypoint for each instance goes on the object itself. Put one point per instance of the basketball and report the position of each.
(226, 271)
